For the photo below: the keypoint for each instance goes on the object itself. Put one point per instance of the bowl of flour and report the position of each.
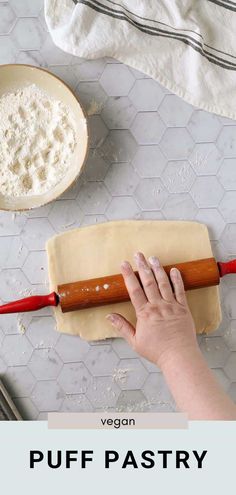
(43, 137)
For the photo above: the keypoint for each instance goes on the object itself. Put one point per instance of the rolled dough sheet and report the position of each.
(98, 250)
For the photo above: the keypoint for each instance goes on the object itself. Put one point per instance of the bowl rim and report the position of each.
(42, 69)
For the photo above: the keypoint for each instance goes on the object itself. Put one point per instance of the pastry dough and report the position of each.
(99, 250)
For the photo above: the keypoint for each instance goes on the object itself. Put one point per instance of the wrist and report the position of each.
(179, 355)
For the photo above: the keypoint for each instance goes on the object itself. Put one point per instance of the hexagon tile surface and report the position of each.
(152, 156)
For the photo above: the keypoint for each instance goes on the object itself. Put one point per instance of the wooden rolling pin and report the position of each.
(111, 289)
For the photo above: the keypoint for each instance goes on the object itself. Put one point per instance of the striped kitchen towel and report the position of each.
(189, 46)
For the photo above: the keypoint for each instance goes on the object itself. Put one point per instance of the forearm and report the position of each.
(195, 388)
(165, 335)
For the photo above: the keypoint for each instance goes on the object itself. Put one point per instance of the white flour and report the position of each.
(37, 140)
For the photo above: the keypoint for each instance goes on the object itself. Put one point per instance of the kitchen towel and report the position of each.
(189, 46)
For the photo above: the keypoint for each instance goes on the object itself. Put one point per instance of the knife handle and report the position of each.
(226, 268)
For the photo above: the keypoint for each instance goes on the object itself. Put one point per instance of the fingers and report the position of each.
(155, 282)
(178, 286)
(162, 280)
(123, 326)
(133, 286)
(147, 278)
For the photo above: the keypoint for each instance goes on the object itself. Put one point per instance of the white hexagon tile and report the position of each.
(152, 156)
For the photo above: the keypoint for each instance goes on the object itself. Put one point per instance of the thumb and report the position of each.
(123, 326)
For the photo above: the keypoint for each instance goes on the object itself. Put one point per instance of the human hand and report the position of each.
(164, 322)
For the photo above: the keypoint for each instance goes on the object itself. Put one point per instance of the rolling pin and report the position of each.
(111, 289)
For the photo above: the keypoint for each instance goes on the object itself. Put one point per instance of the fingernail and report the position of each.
(154, 261)
(141, 262)
(112, 319)
(138, 257)
(126, 266)
(175, 272)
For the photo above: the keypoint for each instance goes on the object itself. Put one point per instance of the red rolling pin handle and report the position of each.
(32, 303)
(227, 267)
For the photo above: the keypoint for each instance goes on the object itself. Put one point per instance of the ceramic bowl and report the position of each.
(16, 76)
